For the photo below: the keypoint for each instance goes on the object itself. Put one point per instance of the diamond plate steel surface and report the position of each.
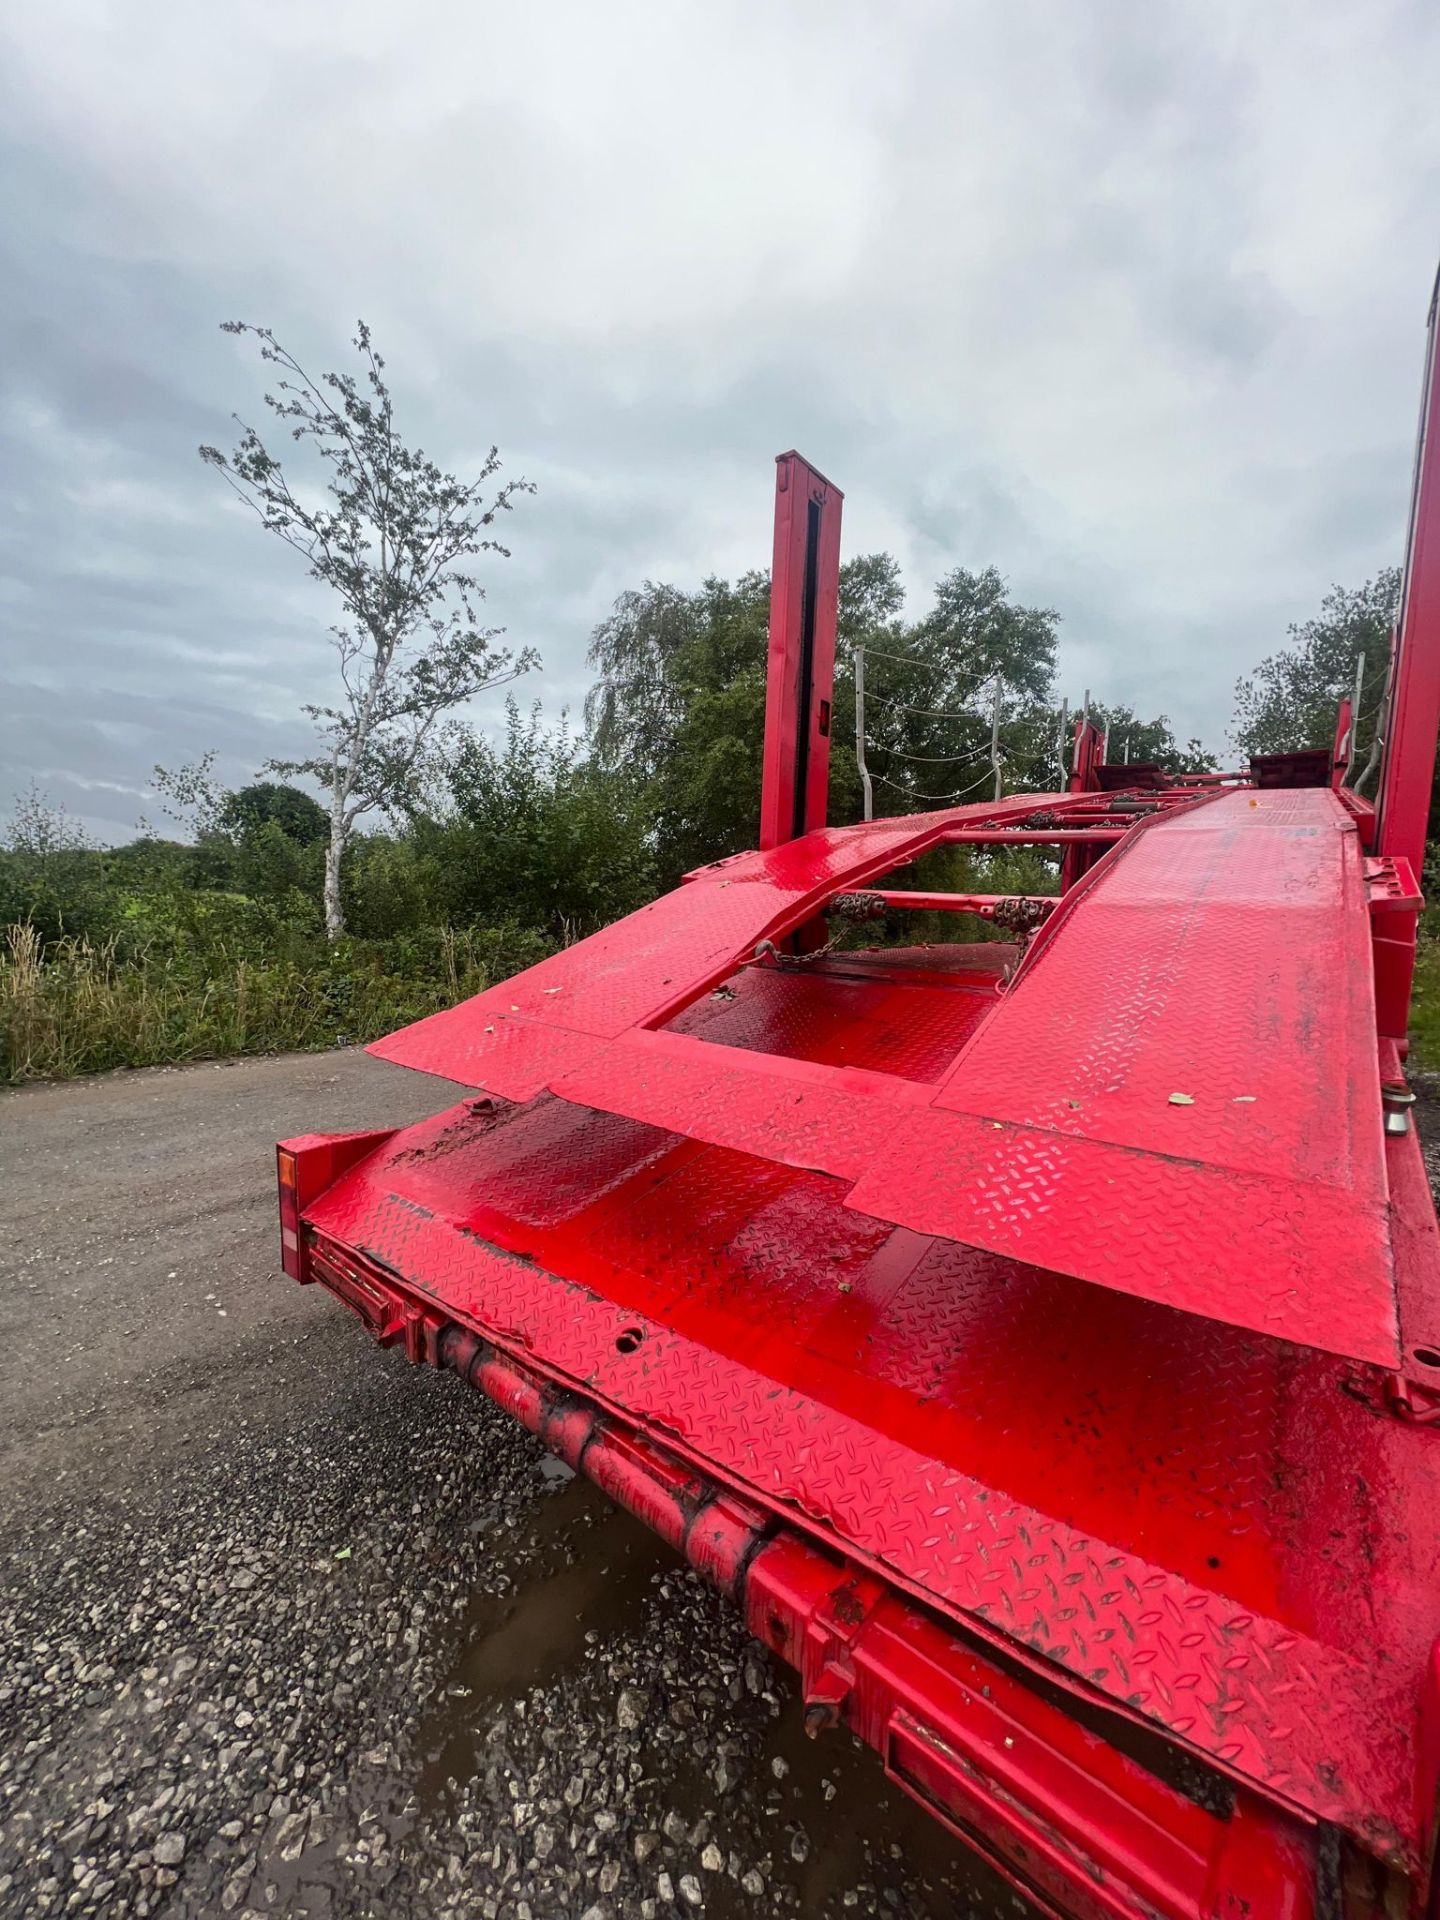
(1301, 1262)
(1185, 1068)
(1179, 1513)
(797, 1112)
(1180, 1097)
(845, 1013)
(1225, 956)
(513, 1038)
(1182, 1515)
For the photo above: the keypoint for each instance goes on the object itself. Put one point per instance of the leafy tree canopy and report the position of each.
(680, 702)
(393, 537)
(529, 830)
(1291, 699)
(243, 813)
(1151, 742)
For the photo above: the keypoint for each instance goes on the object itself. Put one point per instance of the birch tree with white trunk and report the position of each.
(391, 535)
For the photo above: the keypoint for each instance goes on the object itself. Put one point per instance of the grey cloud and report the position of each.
(1127, 304)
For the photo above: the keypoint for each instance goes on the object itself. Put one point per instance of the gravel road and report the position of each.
(293, 1628)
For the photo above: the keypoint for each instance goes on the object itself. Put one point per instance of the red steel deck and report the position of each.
(1188, 1067)
(1144, 1498)
(1041, 1340)
(974, 1380)
(1221, 955)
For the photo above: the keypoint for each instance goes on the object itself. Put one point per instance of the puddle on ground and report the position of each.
(868, 1826)
(585, 1567)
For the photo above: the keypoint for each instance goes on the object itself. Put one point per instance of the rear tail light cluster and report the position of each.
(287, 1167)
(305, 1167)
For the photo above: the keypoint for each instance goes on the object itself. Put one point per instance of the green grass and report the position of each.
(75, 1007)
(1425, 1007)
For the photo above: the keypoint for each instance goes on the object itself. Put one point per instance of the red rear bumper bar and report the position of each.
(1078, 1826)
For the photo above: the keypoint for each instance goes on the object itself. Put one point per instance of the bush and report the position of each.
(528, 832)
(73, 1006)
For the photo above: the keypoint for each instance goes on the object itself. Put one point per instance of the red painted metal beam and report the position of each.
(1084, 777)
(1078, 1826)
(983, 904)
(1034, 836)
(1067, 1818)
(800, 673)
(1395, 906)
(1414, 711)
(1085, 757)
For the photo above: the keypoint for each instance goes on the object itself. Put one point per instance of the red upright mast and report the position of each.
(1413, 720)
(804, 592)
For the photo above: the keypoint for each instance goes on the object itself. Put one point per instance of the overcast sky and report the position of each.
(1126, 300)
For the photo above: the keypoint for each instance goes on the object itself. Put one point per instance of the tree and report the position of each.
(682, 700)
(266, 803)
(1150, 742)
(391, 542)
(259, 839)
(528, 830)
(931, 692)
(1291, 699)
(191, 794)
(634, 707)
(51, 873)
(680, 705)
(39, 829)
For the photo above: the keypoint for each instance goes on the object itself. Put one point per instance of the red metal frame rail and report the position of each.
(1067, 1817)
(1065, 1814)
(1413, 719)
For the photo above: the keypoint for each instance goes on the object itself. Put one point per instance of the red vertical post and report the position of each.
(800, 671)
(1085, 758)
(1414, 716)
(1083, 779)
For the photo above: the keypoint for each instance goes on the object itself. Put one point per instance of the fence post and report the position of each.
(995, 737)
(1354, 715)
(865, 781)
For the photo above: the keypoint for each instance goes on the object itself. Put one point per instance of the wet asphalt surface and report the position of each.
(289, 1627)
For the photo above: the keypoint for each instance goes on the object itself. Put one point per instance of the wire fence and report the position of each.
(1022, 744)
(936, 759)
(932, 799)
(916, 660)
(1033, 738)
(924, 713)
